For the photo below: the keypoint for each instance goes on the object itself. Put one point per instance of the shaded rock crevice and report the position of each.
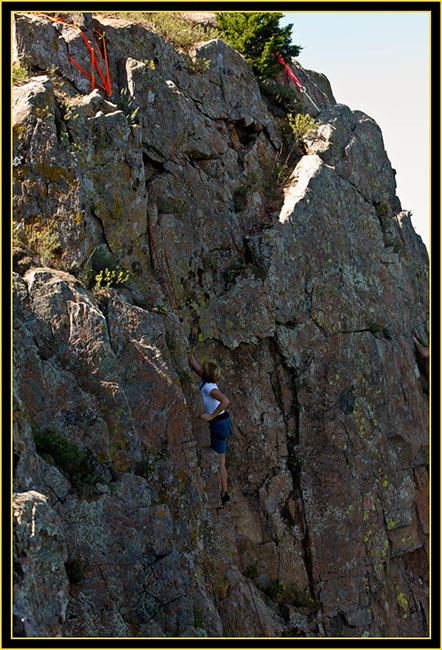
(292, 419)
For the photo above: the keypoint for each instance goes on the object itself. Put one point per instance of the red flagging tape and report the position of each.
(94, 62)
(288, 71)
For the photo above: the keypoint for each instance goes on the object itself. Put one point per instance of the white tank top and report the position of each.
(209, 402)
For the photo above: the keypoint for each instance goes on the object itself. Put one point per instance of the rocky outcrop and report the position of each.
(308, 296)
(40, 581)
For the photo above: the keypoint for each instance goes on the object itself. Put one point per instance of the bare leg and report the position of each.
(222, 464)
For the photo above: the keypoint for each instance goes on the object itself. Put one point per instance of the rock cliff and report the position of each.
(307, 294)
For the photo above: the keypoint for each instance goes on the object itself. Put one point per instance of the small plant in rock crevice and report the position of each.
(41, 239)
(76, 464)
(110, 278)
(243, 191)
(275, 590)
(160, 309)
(277, 175)
(302, 600)
(294, 463)
(126, 104)
(104, 280)
(197, 64)
(145, 469)
(301, 126)
(20, 74)
(293, 129)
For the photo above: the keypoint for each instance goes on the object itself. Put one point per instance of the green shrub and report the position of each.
(40, 239)
(258, 37)
(20, 74)
(67, 456)
(301, 126)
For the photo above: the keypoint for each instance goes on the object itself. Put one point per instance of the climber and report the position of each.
(424, 353)
(216, 414)
(423, 349)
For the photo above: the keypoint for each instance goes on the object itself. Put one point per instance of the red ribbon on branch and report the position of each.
(288, 71)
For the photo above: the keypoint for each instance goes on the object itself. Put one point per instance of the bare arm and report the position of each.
(223, 404)
(195, 365)
(425, 352)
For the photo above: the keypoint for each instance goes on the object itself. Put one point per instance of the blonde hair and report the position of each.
(211, 371)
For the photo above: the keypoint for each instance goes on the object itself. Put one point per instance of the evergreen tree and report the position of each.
(258, 36)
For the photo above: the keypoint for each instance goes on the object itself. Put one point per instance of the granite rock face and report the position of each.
(308, 295)
(40, 583)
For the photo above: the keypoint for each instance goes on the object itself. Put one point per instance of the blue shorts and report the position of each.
(220, 431)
